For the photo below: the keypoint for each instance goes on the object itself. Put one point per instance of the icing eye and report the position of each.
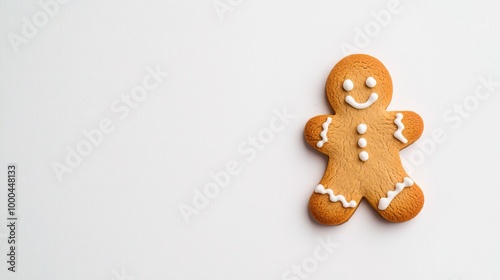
(370, 82)
(348, 85)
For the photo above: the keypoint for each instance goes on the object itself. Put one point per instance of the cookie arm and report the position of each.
(409, 127)
(316, 131)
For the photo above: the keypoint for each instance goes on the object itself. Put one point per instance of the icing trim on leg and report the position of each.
(334, 198)
(385, 201)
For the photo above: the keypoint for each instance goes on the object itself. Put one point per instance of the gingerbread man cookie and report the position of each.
(362, 141)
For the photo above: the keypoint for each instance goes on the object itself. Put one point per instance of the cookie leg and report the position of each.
(331, 207)
(402, 201)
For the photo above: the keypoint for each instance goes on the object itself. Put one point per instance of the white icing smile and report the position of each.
(360, 106)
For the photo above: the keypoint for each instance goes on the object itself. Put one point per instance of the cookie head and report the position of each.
(359, 82)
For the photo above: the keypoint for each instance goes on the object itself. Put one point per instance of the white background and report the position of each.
(116, 215)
